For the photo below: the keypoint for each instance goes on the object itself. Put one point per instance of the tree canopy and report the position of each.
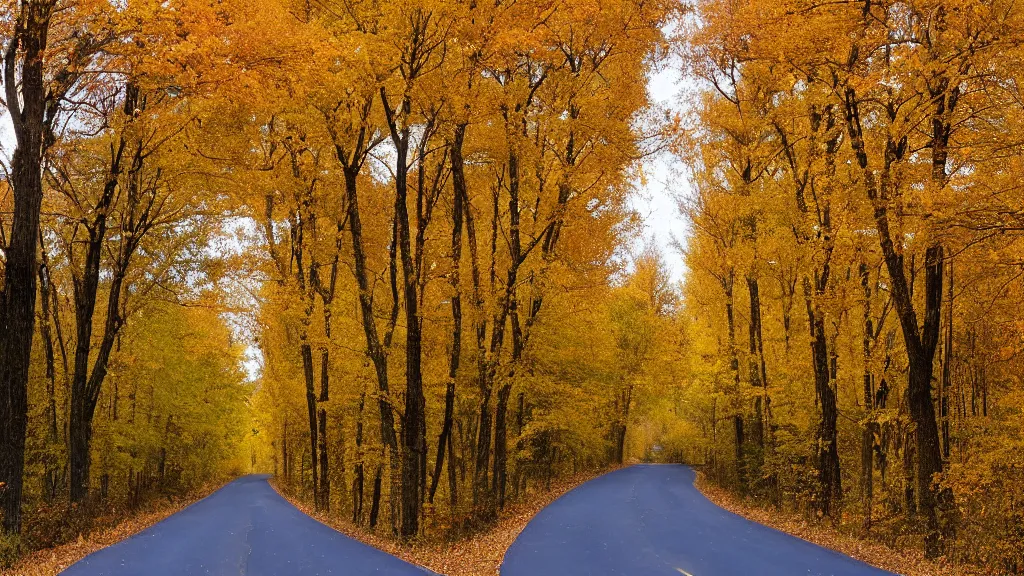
(388, 251)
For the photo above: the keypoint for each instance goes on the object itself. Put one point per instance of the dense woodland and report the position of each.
(855, 263)
(410, 217)
(387, 252)
(439, 198)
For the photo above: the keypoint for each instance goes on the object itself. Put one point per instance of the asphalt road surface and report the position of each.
(649, 520)
(243, 529)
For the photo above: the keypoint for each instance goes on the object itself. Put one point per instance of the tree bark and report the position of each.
(285, 462)
(823, 123)
(499, 475)
(31, 115)
(826, 449)
(870, 426)
(374, 348)
(357, 481)
(86, 383)
(307, 374)
(758, 377)
(45, 289)
(623, 402)
(139, 212)
(373, 344)
(325, 485)
(413, 423)
(734, 368)
(947, 361)
(483, 445)
(453, 481)
(375, 502)
(460, 193)
(920, 340)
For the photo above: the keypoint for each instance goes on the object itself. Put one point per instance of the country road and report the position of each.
(650, 520)
(645, 520)
(243, 529)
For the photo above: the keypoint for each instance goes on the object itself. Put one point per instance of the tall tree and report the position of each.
(35, 85)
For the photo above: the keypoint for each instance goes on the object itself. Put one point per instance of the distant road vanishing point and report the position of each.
(649, 520)
(243, 529)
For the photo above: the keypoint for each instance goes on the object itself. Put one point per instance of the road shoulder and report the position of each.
(909, 562)
(52, 561)
(479, 554)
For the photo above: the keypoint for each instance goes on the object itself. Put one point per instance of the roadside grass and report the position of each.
(905, 561)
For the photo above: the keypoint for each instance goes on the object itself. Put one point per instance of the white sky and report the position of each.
(656, 202)
(6, 137)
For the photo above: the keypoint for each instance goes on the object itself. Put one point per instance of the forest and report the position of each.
(853, 302)
(390, 253)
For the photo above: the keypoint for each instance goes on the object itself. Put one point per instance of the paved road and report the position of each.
(650, 521)
(243, 529)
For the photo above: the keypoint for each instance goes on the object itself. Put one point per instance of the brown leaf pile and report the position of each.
(52, 561)
(906, 561)
(480, 554)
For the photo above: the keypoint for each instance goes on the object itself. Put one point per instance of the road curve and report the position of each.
(649, 520)
(243, 529)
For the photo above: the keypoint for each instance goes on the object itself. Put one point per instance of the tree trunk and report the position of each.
(81, 437)
(483, 449)
(826, 449)
(307, 373)
(509, 311)
(619, 429)
(52, 438)
(86, 384)
(459, 193)
(284, 452)
(453, 484)
(870, 426)
(929, 455)
(413, 424)
(325, 385)
(325, 483)
(737, 422)
(498, 477)
(734, 367)
(18, 296)
(920, 340)
(909, 481)
(620, 442)
(481, 494)
(357, 481)
(374, 348)
(758, 376)
(45, 289)
(375, 502)
(946, 368)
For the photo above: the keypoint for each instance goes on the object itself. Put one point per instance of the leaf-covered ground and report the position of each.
(906, 561)
(477, 555)
(51, 561)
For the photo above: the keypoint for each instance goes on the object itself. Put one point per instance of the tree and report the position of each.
(36, 82)
(877, 115)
